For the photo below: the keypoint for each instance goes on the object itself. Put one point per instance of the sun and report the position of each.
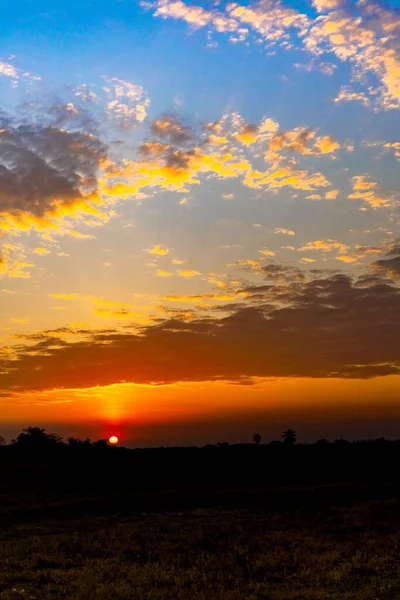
(113, 439)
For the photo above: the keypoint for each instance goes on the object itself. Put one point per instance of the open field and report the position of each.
(225, 553)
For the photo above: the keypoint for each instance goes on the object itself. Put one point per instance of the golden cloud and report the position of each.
(324, 246)
(365, 189)
(64, 296)
(159, 250)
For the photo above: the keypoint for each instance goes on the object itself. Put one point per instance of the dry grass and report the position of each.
(350, 553)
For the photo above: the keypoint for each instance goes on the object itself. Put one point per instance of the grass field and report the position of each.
(206, 554)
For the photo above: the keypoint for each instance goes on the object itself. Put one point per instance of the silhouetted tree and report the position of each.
(77, 442)
(289, 437)
(2, 441)
(257, 438)
(36, 437)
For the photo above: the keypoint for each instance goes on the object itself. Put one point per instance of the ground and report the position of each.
(348, 552)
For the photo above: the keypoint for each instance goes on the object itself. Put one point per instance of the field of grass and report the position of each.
(206, 554)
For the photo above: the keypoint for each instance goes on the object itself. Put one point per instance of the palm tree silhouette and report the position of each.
(289, 437)
(257, 438)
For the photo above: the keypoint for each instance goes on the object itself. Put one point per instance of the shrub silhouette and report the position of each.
(257, 438)
(100, 444)
(289, 437)
(78, 442)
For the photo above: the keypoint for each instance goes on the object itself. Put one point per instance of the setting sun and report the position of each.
(113, 440)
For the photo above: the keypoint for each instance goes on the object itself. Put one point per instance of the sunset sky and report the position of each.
(199, 219)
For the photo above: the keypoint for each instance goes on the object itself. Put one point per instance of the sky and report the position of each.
(199, 219)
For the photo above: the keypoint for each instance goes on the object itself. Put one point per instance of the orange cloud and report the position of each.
(13, 263)
(366, 189)
(324, 246)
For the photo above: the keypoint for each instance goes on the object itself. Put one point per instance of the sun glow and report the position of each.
(113, 440)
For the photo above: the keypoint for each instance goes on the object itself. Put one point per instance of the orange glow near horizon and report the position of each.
(113, 440)
(127, 409)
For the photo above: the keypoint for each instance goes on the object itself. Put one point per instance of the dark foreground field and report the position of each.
(215, 553)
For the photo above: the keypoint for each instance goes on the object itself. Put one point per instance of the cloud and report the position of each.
(46, 173)
(365, 188)
(8, 70)
(206, 297)
(389, 266)
(64, 296)
(120, 313)
(326, 145)
(269, 20)
(159, 250)
(331, 195)
(170, 129)
(363, 34)
(248, 134)
(193, 15)
(127, 103)
(300, 140)
(392, 147)
(41, 251)
(346, 94)
(366, 36)
(188, 273)
(179, 261)
(324, 246)
(291, 326)
(11, 71)
(13, 263)
(285, 231)
(326, 68)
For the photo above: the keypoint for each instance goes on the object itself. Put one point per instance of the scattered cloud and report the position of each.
(188, 273)
(362, 34)
(127, 103)
(159, 250)
(40, 250)
(62, 296)
(267, 252)
(331, 194)
(366, 189)
(13, 263)
(324, 246)
(285, 231)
